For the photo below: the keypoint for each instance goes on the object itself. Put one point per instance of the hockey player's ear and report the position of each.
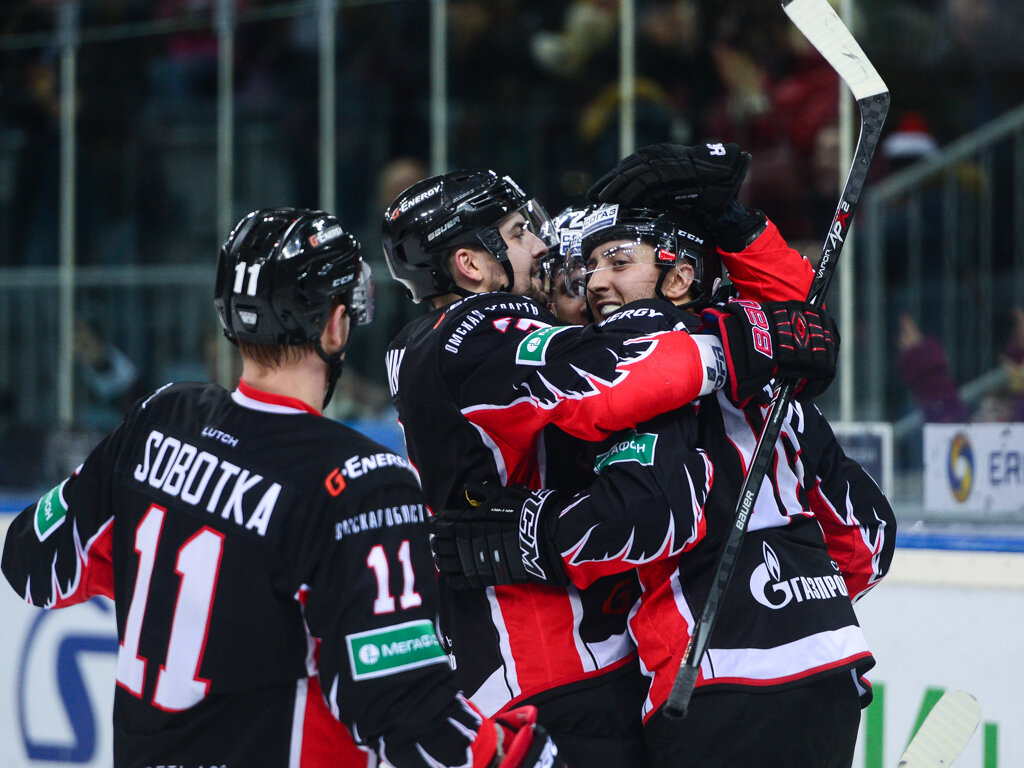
(469, 266)
(677, 283)
(336, 331)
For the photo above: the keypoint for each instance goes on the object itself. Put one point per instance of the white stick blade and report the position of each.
(821, 25)
(944, 733)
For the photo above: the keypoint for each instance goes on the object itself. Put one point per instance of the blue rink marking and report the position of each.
(11, 504)
(985, 540)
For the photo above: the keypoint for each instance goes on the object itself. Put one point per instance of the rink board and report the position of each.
(942, 619)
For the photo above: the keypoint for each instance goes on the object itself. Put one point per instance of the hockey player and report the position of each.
(569, 307)
(476, 382)
(779, 684)
(246, 540)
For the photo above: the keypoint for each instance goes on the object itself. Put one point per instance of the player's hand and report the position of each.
(785, 339)
(514, 739)
(502, 535)
(706, 177)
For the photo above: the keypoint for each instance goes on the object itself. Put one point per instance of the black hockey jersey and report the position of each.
(820, 534)
(475, 384)
(247, 542)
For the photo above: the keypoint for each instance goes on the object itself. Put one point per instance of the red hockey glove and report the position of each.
(786, 339)
(706, 176)
(503, 536)
(513, 739)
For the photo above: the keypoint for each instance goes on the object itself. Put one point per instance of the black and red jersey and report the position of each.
(475, 385)
(820, 534)
(248, 543)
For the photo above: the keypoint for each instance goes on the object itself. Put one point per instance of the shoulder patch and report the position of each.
(636, 446)
(51, 510)
(394, 649)
(534, 347)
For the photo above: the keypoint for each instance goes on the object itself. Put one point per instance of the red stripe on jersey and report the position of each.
(272, 399)
(540, 625)
(758, 682)
(858, 559)
(658, 628)
(769, 270)
(326, 743)
(645, 388)
(96, 569)
(100, 573)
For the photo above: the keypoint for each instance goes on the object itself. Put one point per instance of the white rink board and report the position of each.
(41, 722)
(949, 620)
(941, 619)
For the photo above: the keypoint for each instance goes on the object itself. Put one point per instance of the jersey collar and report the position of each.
(250, 397)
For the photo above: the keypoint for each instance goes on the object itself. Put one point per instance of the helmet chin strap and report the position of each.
(335, 364)
(662, 274)
(509, 273)
(495, 245)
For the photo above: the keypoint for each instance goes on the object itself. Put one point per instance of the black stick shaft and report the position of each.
(873, 111)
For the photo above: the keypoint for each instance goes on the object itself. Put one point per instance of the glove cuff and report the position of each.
(537, 523)
(736, 227)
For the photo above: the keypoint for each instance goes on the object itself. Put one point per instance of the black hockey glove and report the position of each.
(514, 739)
(736, 227)
(706, 177)
(784, 339)
(504, 535)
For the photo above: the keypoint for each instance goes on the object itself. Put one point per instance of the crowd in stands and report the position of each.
(532, 88)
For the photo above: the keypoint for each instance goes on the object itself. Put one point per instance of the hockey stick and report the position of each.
(826, 32)
(944, 732)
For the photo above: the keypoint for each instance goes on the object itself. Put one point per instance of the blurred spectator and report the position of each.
(674, 41)
(34, 109)
(590, 26)
(910, 142)
(821, 195)
(778, 93)
(110, 379)
(924, 368)
(395, 177)
(186, 71)
(925, 371)
(920, 213)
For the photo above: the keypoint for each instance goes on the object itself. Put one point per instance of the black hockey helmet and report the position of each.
(677, 236)
(432, 217)
(281, 268)
(563, 245)
(279, 272)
